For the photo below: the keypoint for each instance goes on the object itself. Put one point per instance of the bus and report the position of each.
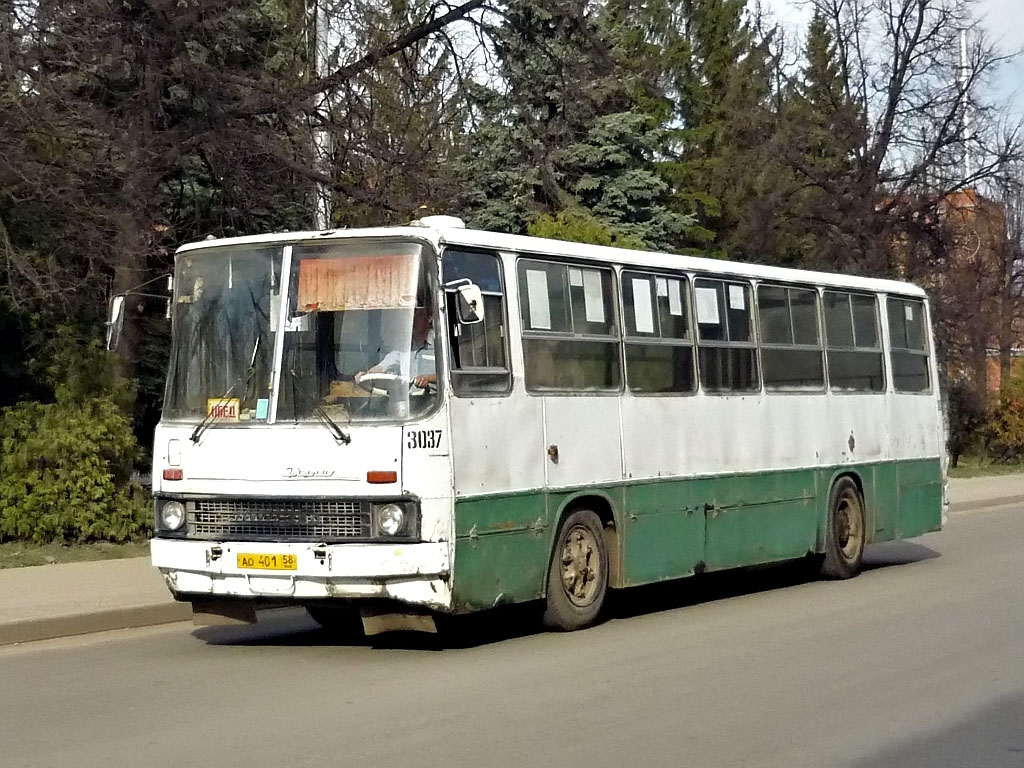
(418, 421)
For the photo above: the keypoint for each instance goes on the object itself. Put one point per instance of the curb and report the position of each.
(49, 628)
(995, 501)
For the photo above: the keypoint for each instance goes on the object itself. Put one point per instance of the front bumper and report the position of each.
(418, 574)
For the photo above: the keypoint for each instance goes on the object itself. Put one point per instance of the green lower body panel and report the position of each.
(663, 532)
(669, 528)
(502, 547)
(920, 489)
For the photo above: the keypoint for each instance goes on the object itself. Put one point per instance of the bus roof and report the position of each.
(537, 246)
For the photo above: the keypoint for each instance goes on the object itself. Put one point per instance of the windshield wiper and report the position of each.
(318, 410)
(214, 413)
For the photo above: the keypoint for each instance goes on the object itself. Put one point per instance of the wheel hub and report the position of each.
(580, 566)
(848, 529)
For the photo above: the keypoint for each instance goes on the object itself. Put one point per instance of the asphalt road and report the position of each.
(917, 662)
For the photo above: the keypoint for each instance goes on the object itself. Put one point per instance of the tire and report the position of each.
(844, 537)
(578, 573)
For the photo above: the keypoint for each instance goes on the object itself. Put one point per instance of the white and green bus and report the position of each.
(426, 420)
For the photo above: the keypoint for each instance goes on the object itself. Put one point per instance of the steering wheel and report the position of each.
(391, 381)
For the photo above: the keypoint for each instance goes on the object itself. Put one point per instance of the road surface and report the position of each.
(917, 662)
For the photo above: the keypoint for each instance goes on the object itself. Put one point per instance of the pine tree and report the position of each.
(569, 147)
(823, 132)
(721, 74)
(831, 124)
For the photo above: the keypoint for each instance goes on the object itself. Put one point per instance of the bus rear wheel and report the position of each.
(578, 574)
(844, 538)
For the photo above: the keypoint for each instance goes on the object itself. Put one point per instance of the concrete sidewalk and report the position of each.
(965, 493)
(47, 601)
(50, 601)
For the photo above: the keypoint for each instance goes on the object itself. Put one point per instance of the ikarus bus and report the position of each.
(427, 420)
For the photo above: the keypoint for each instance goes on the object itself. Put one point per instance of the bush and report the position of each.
(580, 227)
(65, 467)
(1005, 427)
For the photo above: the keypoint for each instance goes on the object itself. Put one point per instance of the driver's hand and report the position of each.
(359, 376)
(424, 380)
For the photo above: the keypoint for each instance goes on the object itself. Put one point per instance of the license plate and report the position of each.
(260, 562)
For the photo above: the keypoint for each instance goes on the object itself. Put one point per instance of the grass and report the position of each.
(982, 466)
(17, 554)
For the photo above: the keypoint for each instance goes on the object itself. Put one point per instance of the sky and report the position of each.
(1002, 20)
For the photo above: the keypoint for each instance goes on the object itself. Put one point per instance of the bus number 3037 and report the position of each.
(424, 438)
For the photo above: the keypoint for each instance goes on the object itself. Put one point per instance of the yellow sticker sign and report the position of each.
(224, 408)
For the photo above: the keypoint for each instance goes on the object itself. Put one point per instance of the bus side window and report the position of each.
(908, 342)
(479, 358)
(791, 352)
(570, 333)
(725, 339)
(659, 346)
(853, 343)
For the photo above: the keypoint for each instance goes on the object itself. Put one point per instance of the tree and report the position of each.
(900, 64)
(575, 133)
(393, 126)
(721, 160)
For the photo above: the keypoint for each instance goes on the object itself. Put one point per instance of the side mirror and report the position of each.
(115, 322)
(469, 301)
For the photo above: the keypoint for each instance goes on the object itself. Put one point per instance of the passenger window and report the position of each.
(479, 352)
(570, 337)
(659, 349)
(853, 350)
(726, 350)
(791, 353)
(908, 341)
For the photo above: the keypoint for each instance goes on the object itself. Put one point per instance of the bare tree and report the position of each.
(1010, 195)
(917, 69)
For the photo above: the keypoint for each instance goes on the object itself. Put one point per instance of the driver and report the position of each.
(418, 362)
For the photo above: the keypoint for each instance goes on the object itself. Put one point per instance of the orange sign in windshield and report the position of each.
(357, 282)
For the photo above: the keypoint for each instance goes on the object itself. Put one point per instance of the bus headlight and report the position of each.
(394, 519)
(172, 515)
(390, 519)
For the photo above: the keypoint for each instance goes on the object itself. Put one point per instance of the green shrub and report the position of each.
(580, 227)
(1005, 428)
(65, 467)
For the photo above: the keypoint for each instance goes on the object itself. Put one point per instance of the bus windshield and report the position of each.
(222, 345)
(359, 344)
(358, 325)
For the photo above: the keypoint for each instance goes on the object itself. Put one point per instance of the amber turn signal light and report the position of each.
(173, 474)
(380, 477)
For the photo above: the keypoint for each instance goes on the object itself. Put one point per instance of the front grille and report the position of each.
(278, 520)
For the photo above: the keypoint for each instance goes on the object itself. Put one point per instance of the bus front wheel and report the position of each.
(578, 575)
(844, 538)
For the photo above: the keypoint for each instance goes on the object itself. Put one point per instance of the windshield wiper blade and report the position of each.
(212, 416)
(214, 413)
(318, 410)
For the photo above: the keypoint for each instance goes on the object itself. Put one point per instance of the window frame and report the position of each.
(727, 280)
(452, 322)
(611, 305)
(926, 353)
(820, 347)
(626, 272)
(878, 349)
